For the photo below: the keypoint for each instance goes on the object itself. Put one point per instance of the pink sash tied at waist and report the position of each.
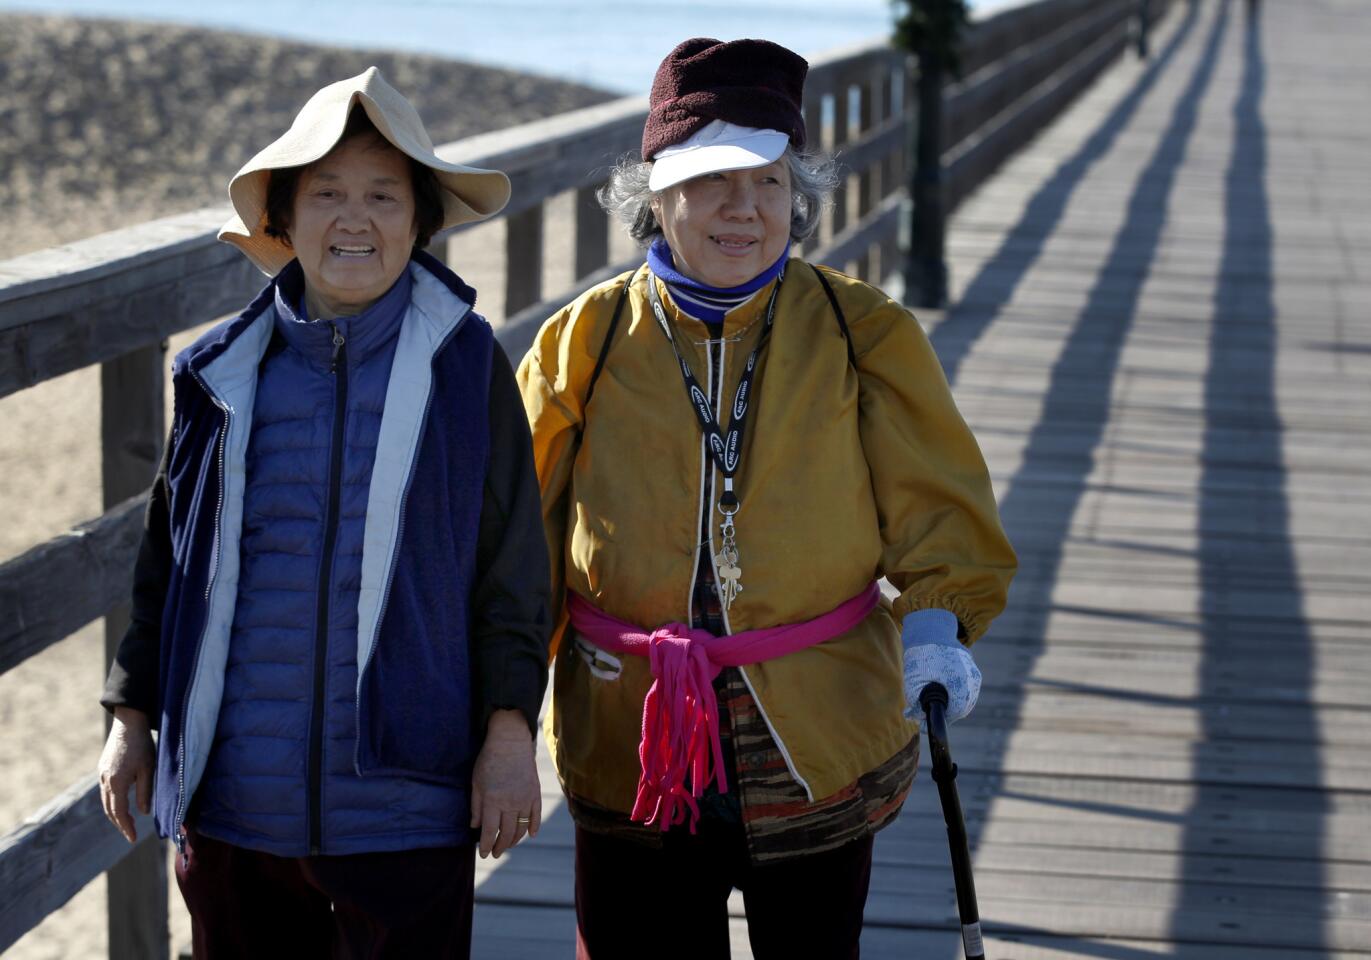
(680, 712)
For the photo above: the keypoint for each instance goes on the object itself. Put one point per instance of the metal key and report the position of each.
(726, 564)
(729, 587)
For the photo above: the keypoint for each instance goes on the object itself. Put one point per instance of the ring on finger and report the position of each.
(523, 820)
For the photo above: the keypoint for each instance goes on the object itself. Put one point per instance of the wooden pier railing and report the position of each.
(113, 300)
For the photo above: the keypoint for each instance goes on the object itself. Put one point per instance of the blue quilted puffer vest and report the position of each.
(281, 776)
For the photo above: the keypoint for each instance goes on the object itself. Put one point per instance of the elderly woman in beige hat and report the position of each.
(340, 604)
(733, 446)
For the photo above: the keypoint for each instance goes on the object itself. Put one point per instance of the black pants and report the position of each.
(636, 901)
(366, 906)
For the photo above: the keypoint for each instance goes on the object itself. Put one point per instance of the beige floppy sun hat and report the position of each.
(469, 193)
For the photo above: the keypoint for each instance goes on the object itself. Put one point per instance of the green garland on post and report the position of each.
(932, 30)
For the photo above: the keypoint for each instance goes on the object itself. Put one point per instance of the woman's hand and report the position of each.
(127, 761)
(949, 664)
(932, 654)
(506, 798)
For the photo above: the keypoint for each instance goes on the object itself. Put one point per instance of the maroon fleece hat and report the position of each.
(751, 83)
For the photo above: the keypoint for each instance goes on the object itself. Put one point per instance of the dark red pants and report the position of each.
(366, 906)
(633, 901)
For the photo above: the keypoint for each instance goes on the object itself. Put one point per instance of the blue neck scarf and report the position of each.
(699, 300)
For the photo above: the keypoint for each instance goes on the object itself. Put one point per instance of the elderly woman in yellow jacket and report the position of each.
(733, 446)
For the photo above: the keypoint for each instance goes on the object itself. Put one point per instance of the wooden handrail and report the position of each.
(49, 857)
(57, 587)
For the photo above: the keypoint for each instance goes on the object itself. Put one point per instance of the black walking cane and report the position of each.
(933, 699)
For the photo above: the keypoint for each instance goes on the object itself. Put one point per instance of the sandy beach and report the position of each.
(105, 124)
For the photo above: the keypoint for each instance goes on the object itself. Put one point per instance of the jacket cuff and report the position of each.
(110, 701)
(930, 626)
(123, 690)
(513, 684)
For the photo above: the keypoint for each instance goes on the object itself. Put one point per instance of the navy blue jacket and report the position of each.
(452, 606)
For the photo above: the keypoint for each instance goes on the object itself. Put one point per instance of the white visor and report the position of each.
(715, 147)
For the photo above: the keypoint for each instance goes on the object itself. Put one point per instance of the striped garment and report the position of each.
(705, 303)
(779, 820)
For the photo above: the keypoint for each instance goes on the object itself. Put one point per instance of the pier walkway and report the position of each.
(1161, 334)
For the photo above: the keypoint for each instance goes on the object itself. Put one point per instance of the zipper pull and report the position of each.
(338, 342)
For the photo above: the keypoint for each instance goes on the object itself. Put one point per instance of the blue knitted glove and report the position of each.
(932, 654)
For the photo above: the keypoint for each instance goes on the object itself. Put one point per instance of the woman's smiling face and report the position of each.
(353, 225)
(726, 228)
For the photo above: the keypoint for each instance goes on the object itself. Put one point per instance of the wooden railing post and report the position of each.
(892, 176)
(868, 181)
(132, 429)
(523, 259)
(814, 143)
(841, 93)
(592, 234)
(909, 98)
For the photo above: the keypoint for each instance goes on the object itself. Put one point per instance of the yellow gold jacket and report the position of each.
(847, 475)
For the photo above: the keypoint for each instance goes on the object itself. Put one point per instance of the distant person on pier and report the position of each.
(340, 617)
(734, 445)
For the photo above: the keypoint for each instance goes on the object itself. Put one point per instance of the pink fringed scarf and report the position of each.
(680, 713)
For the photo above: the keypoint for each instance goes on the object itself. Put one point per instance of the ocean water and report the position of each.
(606, 43)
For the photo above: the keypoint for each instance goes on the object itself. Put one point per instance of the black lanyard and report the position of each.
(727, 449)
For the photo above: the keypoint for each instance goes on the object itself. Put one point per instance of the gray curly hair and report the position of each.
(627, 197)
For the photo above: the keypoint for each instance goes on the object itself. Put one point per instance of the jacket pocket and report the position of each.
(601, 664)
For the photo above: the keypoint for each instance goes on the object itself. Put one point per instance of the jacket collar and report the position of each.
(701, 301)
(737, 322)
(212, 344)
(364, 333)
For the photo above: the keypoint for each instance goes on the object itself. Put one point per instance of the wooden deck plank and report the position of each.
(542, 933)
(912, 893)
